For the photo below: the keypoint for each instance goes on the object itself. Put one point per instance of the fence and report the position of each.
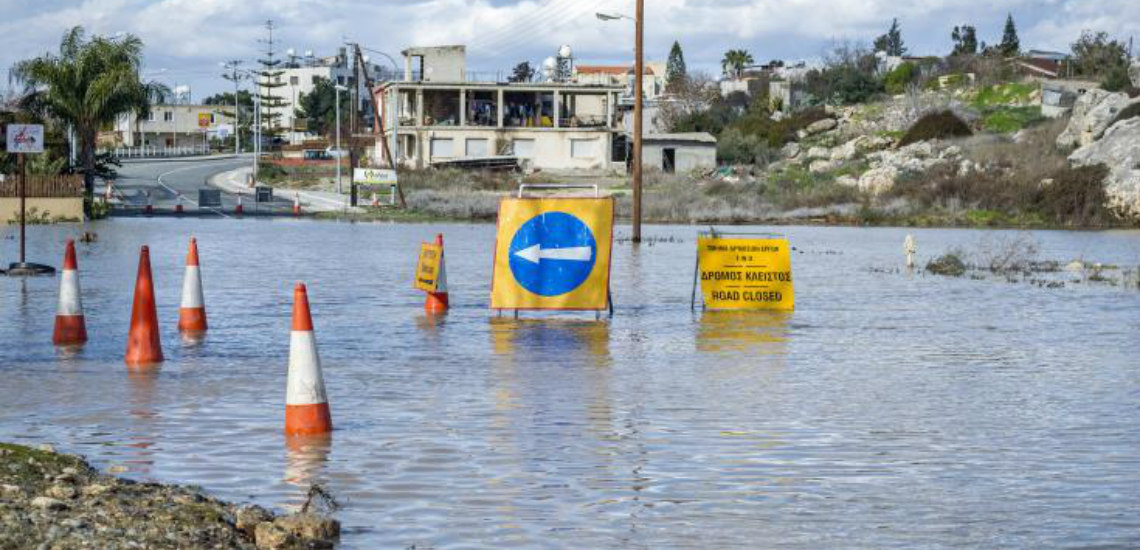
(40, 186)
(157, 152)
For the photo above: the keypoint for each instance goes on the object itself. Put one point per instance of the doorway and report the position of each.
(668, 160)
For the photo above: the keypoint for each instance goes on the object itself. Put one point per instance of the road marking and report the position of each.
(177, 194)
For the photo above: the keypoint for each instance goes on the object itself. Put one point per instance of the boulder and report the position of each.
(1119, 149)
(820, 126)
(818, 153)
(820, 166)
(1134, 72)
(790, 150)
(847, 151)
(1092, 113)
(847, 180)
(878, 180)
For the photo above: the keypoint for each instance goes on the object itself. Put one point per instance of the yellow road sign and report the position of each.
(204, 120)
(427, 268)
(553, 253)
(745, 273)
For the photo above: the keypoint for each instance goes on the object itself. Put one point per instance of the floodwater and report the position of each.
(888, 411)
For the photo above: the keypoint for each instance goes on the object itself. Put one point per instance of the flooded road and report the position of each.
(889, 410)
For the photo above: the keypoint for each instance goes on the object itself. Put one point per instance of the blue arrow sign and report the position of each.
(552, 253)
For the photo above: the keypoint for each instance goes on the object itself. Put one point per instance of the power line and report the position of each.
(526, 21)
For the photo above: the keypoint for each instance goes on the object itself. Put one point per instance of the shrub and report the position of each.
(897, 80)
(940, 125)
(1005, 120)
(949, 264)
(735, 147)
(1076, 196)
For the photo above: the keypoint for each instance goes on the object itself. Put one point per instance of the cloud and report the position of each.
(189, 37)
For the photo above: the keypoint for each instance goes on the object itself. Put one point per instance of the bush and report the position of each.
(949, 264)
(1005, 120)
(940, 125)
(1076, 197)
(897, 80)
(735, 147)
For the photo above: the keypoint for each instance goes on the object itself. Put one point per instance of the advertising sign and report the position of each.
(553, 253)
(25, 138)
(745, 273)
(203, 120)
(374, 176)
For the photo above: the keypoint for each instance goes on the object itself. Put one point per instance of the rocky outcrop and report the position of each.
(878, 180)
(1093, 112)
(1134, 72)
(1119, 149)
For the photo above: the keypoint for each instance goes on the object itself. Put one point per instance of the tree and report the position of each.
(735, 61)
(87, 86)
(318, 107)
(268, 80)
(522, 72)
(892, 42)
(1010, 44)
(965, 40)
(675, 70)
(1095, 55)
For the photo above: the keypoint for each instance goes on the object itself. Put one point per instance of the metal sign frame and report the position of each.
(713, 233)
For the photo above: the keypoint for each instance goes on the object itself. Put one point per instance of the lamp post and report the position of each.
(638, 76)
(339, 89)
(235, 76)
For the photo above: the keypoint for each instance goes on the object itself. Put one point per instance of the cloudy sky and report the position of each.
(188, 38)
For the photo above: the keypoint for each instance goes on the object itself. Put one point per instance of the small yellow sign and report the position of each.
(553, 253)
(204, 120)
(745, 273)
(427, 268)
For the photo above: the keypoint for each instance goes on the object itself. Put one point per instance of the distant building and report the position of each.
(679, 152)
(652, 81)
(170, 126)
(438, 115)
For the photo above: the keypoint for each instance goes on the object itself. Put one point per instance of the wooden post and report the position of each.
(23, 194)
(638, 74)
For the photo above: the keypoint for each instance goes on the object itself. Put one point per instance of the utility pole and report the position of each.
(235, 76)
(638, 75)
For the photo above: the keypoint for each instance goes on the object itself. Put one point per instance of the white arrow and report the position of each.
(535, 253)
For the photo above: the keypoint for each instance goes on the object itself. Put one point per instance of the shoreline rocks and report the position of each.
(58, 501)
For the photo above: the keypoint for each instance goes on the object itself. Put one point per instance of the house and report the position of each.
(683, 152)
(438, 114)
(173, 126)
(652, 80)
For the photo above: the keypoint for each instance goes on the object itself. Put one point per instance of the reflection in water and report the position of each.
(142, 428)
(305, 460)
(755, 332)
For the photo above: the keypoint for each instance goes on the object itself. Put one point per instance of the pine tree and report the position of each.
(965, 40)
(268, 80)
(892, 42)
(1010, 44)
(675, 70)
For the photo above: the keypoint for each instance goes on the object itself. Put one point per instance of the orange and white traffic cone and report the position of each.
(296, 204)
(238, 209)
(306, 405)
(178, 205)
(436, 302)
(70, 328)
(149, 203)
(192, 313)
(144, 345)
(375, 199)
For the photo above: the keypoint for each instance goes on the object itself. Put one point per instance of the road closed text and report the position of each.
(745, 273)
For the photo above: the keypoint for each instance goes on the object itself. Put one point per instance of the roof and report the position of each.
(1040, 66)
(702, 137)
(608, 69)
(1046, 54)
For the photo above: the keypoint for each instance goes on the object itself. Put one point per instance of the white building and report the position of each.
(173, 126)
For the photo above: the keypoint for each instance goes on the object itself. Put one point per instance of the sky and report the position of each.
(186, 39)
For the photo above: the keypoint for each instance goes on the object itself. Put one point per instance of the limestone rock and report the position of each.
(1092, 113)
(847, 180)
(61, 492)
(249, 517)
(790, 150)
(820, 166)
(46, 503)
(878, 180)
(818, 153)
(270, 536)
(821, 126)
(1119, 149)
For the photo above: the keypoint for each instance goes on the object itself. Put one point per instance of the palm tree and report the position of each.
(734, 62)
(87, 86)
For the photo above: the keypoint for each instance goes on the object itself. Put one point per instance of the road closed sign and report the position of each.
(427, 268)
(745, 273)
(553, 253)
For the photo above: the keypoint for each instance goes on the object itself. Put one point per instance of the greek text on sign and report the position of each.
(427, 268)
(553, 253)
(375, 176)
(745, 273)
(25, 138)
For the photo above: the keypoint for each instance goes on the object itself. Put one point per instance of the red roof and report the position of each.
(1041, 66)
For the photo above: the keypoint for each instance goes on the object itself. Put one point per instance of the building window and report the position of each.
(213, 118)
(294, 80)
(441, 147)
(523, 148)
(168, 116)
(150, 116)
(583, 148)
(477, 147)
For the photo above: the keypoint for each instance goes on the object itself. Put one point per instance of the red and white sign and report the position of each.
(25, 138)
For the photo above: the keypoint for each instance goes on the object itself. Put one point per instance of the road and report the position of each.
(167, 179)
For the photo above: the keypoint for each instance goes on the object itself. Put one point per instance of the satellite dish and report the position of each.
(367, 59)
(308, 53)
(564, 51)
(290, 52)
(549, 64)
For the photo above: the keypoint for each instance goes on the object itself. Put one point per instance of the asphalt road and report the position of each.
(167, 179)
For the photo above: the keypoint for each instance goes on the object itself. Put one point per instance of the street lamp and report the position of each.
(236, 77)
(638, 75)
(339, 88)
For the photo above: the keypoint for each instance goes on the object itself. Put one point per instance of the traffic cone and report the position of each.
(306, 405)
(144, 347)
(238, 209)
(178, 205)
(192, 313)
(70, 329)
(436, 302)
(296, 204)
(375, 199)
(149, 204)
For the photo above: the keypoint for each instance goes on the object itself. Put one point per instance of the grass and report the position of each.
(999, 95)
(1007, 120)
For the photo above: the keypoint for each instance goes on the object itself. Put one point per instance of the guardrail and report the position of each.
(157, 152)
